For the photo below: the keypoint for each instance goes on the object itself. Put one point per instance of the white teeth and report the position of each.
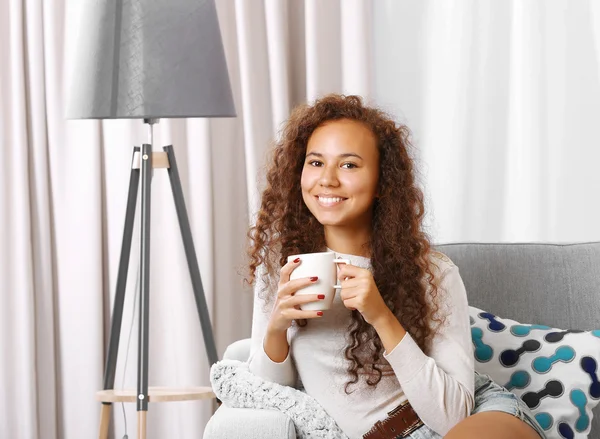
(330, 200)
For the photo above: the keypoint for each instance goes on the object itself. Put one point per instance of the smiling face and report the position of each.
(340, 175)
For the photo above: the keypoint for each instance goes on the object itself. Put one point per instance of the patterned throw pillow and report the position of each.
(555, 372)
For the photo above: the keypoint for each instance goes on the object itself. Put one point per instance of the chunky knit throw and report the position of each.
(237, 387)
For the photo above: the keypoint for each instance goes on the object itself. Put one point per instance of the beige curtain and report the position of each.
(63, 188)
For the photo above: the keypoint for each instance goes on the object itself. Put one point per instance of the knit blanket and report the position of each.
(237, 387)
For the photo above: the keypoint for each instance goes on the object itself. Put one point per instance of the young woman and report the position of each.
(393, 356)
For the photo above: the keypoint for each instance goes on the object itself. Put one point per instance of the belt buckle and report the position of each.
(397, 409)
(409, 430)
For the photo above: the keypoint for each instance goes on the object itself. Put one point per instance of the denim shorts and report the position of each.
(489, 396)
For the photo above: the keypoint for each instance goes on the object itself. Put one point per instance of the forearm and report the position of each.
(276, 345)
(390, 331)
(439, 384)
(271, 361)
(270, 351)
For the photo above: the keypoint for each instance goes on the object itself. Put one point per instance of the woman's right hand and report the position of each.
(287, 305)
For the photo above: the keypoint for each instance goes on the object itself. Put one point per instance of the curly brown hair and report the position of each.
(399, 248)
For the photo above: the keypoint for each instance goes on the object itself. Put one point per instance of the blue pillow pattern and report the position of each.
(555, 372)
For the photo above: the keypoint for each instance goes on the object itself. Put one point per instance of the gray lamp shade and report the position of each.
(149, 59)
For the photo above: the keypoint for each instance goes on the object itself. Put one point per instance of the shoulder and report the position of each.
(446, 275)
(440, 261)
(451, 295)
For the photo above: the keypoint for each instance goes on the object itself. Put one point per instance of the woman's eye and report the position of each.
(315, 163)
(349, 166)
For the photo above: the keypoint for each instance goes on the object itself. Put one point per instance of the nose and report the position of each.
(328, 176)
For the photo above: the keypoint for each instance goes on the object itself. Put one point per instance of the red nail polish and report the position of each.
(319, 313)
(321, 296)
(314, 279)
(296, 260)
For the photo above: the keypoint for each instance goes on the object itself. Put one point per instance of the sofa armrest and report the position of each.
(233, 423)
(238, 350)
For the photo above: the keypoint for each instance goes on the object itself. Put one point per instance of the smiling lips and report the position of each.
(329, 201)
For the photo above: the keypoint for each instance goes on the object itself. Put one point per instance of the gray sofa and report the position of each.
(550, 284)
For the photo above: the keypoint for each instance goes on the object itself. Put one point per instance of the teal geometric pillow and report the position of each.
(554, 371)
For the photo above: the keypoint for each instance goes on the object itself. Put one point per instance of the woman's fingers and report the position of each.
(287, 306)
(350, 304)
(290, 287)
(295, 314)
(300, 299)
(290, 306)
(347, 271)
(286, 270)
(309, 314)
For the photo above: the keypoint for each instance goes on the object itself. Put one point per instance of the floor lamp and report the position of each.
(148, 60)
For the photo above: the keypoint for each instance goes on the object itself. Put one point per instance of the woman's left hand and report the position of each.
(360, 292)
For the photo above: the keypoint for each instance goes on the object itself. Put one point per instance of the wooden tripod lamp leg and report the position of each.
(104, 421)
(141, 430)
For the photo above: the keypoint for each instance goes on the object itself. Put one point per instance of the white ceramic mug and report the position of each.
(323, 265)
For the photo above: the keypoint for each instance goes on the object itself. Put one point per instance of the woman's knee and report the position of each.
(492, 425)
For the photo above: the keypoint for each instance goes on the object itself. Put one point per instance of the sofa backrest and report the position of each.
(556, 285)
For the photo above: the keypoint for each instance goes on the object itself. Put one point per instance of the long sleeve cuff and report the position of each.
(281, 373)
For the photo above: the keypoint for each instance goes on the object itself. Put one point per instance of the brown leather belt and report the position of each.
(401, 422)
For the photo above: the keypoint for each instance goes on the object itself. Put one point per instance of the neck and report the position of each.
(348, 241)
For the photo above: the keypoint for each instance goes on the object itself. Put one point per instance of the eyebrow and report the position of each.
(347, 154)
